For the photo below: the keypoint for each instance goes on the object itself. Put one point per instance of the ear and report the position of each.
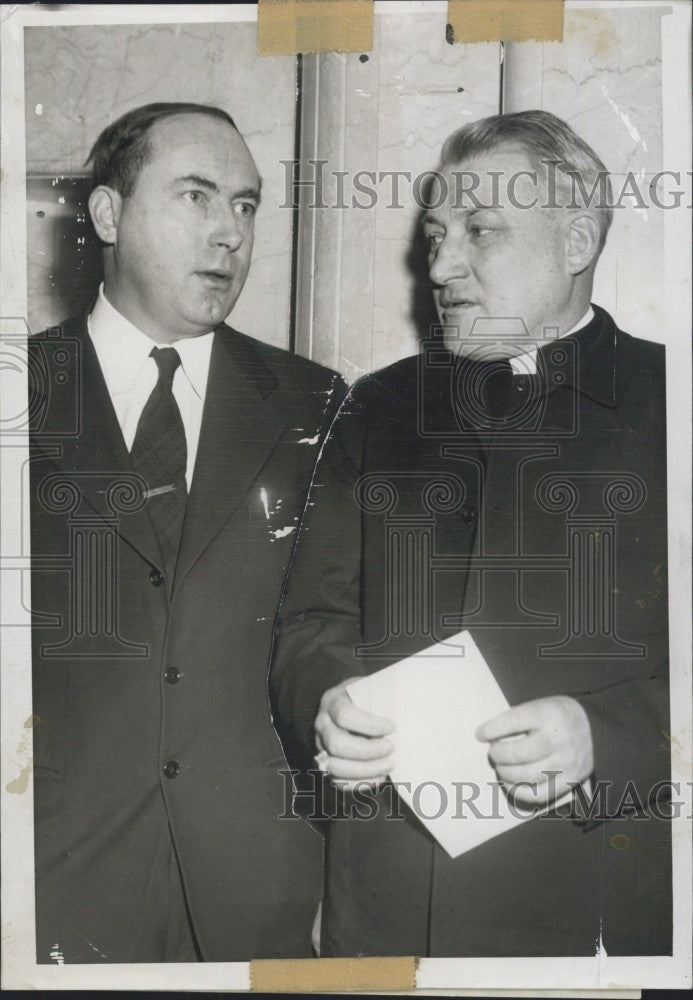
(582, 241)
(104, 207)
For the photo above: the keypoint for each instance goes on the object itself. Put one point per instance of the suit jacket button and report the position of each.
(155, 577)
(171, 768)
(172, 675)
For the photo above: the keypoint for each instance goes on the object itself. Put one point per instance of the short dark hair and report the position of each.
(545, 138)
(124, 146)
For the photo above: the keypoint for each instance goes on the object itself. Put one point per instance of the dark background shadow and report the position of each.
(422, 307)
(63, 251)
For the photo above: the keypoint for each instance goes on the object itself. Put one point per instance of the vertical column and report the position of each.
(410, 503)
(377, 121)
(493, 598)
(591, 501)
(92, 562)
(334, 251)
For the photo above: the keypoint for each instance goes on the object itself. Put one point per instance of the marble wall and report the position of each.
(364, 300)
(78, 79)
(605, 80)
(363, 297)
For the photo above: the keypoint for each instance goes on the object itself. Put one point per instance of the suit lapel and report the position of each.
(239, 431)
(78, 432)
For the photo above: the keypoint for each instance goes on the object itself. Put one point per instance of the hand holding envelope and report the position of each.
(532, 740)
(354, 739)
(438, 724)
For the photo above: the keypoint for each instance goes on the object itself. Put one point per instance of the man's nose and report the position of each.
(451, 260)
(226, 230)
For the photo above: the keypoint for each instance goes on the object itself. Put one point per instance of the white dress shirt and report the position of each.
(131, 374)
(526, 364)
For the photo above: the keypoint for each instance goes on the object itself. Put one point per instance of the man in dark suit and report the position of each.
(511, 480)
(171, 457)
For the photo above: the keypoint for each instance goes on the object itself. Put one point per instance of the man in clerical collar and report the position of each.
(163, 519)
(509, 481)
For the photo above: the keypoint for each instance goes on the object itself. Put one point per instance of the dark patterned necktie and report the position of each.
(159, 454)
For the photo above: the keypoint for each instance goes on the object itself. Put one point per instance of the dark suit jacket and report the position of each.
(546, 537)
(131, 673)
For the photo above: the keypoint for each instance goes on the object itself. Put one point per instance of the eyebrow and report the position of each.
(204, 182)
(431, 217)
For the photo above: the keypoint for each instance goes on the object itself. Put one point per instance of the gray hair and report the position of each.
(547, 140)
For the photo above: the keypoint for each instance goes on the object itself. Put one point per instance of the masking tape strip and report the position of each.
(287, 27)
(506, 20)
(325, 975)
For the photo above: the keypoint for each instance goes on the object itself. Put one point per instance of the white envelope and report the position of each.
(437, 701)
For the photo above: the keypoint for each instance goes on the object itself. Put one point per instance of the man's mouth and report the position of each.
(217, 276)
(447, 304)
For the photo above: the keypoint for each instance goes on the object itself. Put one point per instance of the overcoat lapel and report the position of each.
(238, 434)
(80, 435)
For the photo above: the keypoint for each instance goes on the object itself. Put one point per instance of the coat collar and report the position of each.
(599, 373)
(598, 370)
(77, 430)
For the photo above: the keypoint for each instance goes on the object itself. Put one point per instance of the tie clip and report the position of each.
(158, 491)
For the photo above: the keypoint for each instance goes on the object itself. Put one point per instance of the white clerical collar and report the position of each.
(123, 350)
(526, 364)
